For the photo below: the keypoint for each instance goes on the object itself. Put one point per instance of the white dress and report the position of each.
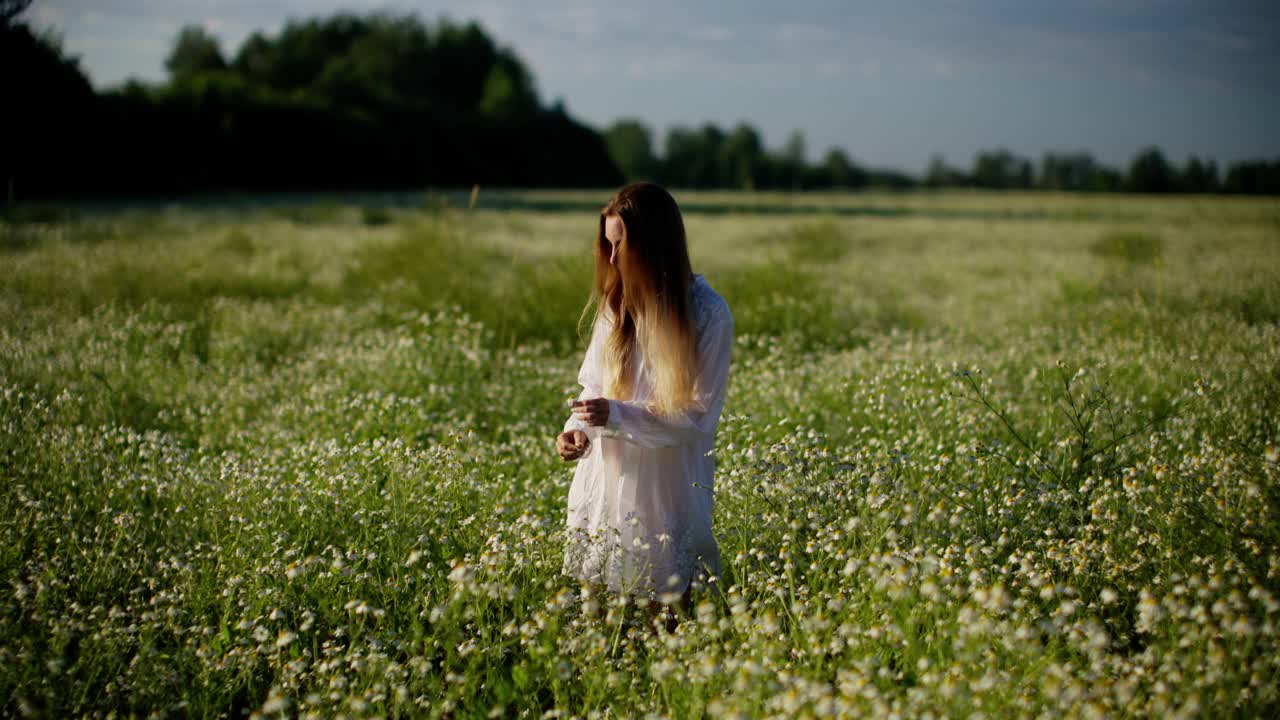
(639, 510)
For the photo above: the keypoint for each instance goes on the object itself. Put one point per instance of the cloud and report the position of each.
(714, 34)
(48, 14)
(578, 21)
(802, 35)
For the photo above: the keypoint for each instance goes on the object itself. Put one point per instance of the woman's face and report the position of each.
(614, 231)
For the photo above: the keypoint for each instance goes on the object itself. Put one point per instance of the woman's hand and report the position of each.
(572, 444)
(594, 412)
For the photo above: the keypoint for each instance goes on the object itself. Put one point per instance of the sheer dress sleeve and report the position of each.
(636, 424)
(591, 377)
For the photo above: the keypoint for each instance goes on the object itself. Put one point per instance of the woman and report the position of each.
(643, 428)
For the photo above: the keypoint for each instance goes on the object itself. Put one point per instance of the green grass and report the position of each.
(1129, 246)
(1008, 454)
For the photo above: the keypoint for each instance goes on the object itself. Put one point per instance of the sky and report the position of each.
(893, 83)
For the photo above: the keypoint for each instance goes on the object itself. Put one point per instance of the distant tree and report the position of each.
(295, 59)
(346, 101)
(936, 175)
(709, 169)
(1104, 179)
(794, 150)
(741, 158)
(1198, 177)
(892, 179)
(1066, 171)
(379, 100)
(374, 65)
(681, 150)
(1001, 169)
(1150, 172)
(939, 175)
(1254, 177)
(631, 149)
(1049, 178)
(459, 64)
(255, 60)
(791, 163)
(508, 90)
(693, 157)
(194, 52)
(386, 61)
(840, 172)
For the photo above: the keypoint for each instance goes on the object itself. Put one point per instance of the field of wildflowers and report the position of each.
(983, 456)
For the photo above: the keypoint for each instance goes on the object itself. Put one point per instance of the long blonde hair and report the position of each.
(648, 296)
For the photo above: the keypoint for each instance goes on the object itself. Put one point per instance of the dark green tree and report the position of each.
(841, 172)
(48, 106)
(194, 52)
(1066, 170)
(1255, 177)
(741, 159)
(790, 163)
(939, 175)
(1150, 172)
(1001, 169)
(1198, 177)
(693, 157)
(509, 95)
(378, 100)
(631, 148)
(462, 58)
(298, 57)
(1211, 174)
(1105, 179)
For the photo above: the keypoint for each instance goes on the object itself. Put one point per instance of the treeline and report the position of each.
(390, 102)
(1149, 172)
(348, 101)
(709, 157)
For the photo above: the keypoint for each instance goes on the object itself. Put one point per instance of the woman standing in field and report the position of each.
(643, 428)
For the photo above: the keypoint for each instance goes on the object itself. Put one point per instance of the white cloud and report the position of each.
(802, 35)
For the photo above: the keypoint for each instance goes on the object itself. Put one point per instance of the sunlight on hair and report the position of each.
(647, 298)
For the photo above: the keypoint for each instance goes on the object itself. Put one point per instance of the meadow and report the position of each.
(984, 455)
